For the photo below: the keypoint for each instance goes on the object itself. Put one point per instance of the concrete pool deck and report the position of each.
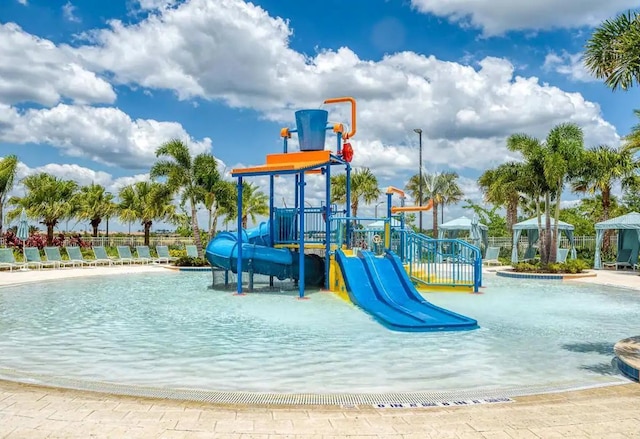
(28, 411)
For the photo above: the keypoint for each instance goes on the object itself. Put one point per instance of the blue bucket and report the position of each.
(311, 126)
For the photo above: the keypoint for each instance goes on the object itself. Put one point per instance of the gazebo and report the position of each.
(531, 227)
(452, 228)
(628, 227)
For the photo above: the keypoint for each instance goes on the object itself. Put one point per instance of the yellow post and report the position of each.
(387, 234)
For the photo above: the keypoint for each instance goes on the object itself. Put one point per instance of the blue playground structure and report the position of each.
(375, 268)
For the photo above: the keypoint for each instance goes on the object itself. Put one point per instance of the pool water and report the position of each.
(169, 330)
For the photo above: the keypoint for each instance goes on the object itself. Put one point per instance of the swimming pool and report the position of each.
(168, 330)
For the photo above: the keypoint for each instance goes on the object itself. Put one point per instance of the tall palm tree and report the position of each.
(364, 187)
(183, 173)
(48, 199)
(220, 200)
(94, 203)
(146, 202)
(450, 191)
(502, 186)
(613, 53)
(8, 170)
(438, 187)
(254, 203)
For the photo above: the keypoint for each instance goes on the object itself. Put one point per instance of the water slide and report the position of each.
(382, 288)
(259, 257)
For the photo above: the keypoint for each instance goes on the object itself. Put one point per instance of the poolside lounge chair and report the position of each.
(622, 261)
(561, 255)
(491, 256)
(102, 258)
(124, 253)
(192, 251)
(529, 254)
(75, 255)
(144, 254)
(53, 255)
(8, 259)
(163, 254)
(33, 258)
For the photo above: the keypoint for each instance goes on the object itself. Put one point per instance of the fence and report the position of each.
(132, 241)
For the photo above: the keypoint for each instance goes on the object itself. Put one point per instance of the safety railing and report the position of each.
(286, 229)
(357, 233)
(443, 262)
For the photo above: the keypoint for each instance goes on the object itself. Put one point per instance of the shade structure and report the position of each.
(23, 231)
(628, 227)
(451, 229)
(531, 227)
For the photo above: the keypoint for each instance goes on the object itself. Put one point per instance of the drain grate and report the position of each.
(409, 399)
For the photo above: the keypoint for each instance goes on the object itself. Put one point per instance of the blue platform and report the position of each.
(382, 288)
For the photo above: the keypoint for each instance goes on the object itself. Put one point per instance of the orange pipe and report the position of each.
(353, 113)
(413, 208)
(395, 190)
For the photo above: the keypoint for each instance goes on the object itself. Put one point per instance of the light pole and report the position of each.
(376, 209)
(419, 131)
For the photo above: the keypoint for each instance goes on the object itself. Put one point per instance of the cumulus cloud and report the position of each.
(496, 17)
(106, 135)
(234, 51)
(568, 64)
(22, 2)
(34, 69)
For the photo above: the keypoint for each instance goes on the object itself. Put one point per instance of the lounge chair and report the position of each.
(561, 255)
(124, 253)
(192, 251)
(33, 258)
(8, 259)
(75, 255)
(491, 256)
(53, 255)
(622, 261)
(144, 254)
(529, 254)
(101, 256)
(164, 255)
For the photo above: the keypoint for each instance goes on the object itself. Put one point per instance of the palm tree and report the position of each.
(8, 170)
(254, 203)
(94, 203)
(146, 202)
(613, 53)
(502, 186)
(364, 187)
(183, 174)
(220, 200)
(48, 199)
(441, 188)
(450, 191)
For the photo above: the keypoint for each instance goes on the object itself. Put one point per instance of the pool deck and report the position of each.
(28, 411)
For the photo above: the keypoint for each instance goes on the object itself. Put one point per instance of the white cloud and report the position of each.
(106, 135)
(568, 64)
(236, 52)
(22, 2)
(496, 17)
(34, 69)
(69, 12)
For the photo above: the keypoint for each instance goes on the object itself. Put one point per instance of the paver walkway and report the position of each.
(39, 412)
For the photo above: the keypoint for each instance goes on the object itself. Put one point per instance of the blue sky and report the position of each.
(89, 89)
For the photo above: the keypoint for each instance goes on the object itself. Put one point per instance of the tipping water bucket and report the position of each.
(311, 126)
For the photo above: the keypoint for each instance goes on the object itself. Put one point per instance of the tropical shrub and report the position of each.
(187, 261)
(572, 266)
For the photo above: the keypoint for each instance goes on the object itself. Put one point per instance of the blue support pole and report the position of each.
(301, 239)
(239, 243)
(389, 201)
(339, 147)
(327, 236)
(271, 212)
(348, 201)
(296, 205)
(402, 237)
(285, 145)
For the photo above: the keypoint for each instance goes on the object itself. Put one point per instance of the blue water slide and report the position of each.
(258, 257)
(382, 288)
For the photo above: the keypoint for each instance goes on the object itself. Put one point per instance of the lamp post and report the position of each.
(419, 131)
(376, 209)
